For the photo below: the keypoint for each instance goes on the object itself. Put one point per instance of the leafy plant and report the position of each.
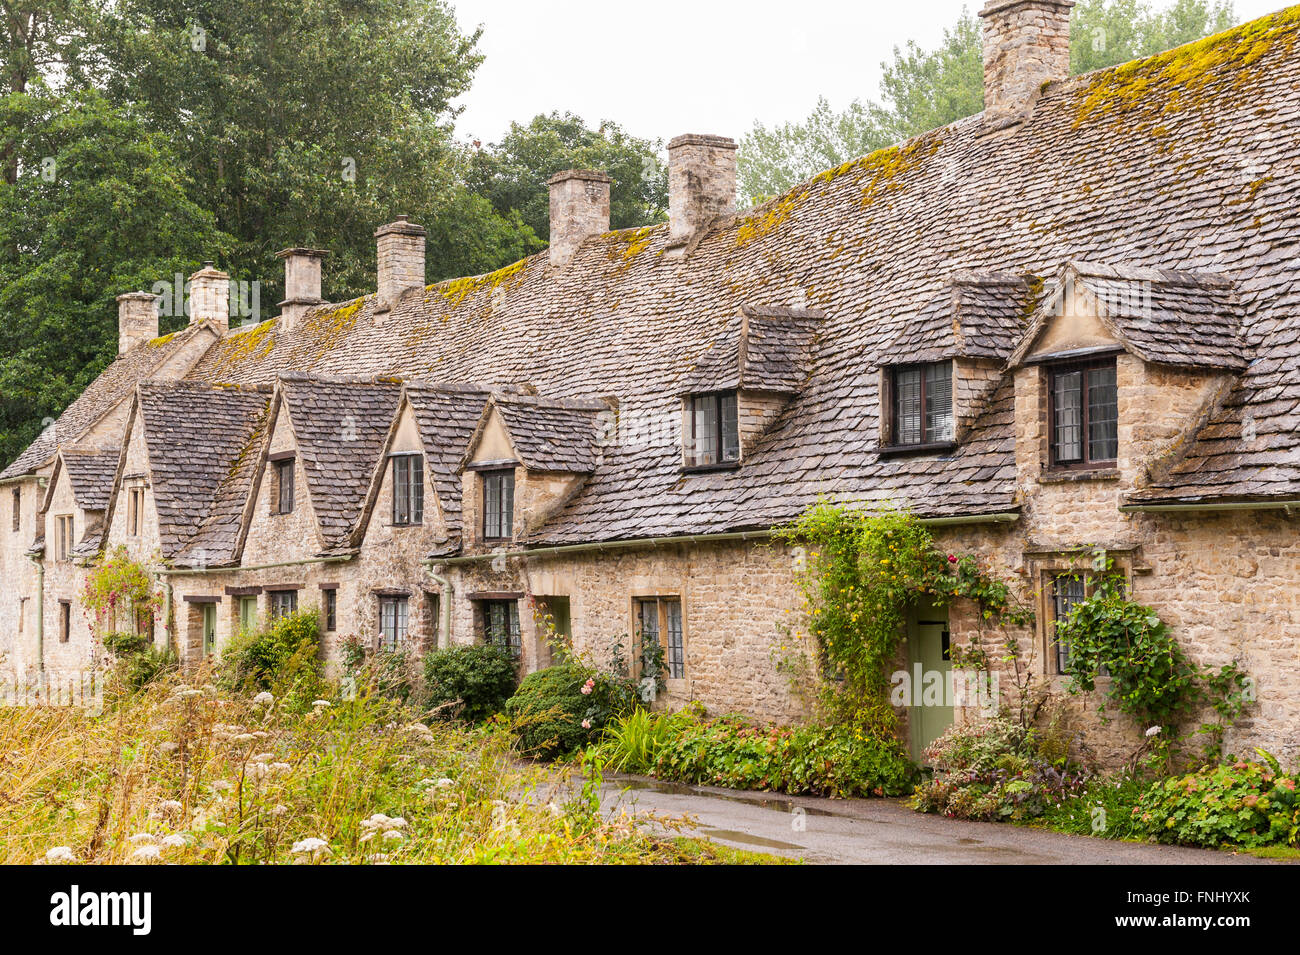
(633, 743)
(119, 589)
(283, 659)
(471, 683)
(558, 710)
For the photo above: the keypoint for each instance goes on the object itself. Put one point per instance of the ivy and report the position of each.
(862, 573)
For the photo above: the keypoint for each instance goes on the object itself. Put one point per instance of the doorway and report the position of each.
(930, 707)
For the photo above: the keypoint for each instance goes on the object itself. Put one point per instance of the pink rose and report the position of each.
(586, 724)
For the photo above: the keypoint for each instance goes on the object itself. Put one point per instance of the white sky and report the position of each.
(664, 67)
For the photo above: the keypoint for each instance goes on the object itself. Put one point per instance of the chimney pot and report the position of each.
(301, 284)
(400, 254)
(701, 183)
(210, 297)
(137, 320)
(1026, 45)
(579, 208)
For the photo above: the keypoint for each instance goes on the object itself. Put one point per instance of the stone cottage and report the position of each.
(1071, 321)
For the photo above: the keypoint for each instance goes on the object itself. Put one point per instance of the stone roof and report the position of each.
(341, 429)
(1189, 319)
(552, 436)
(763, 348)
(115, 384)
(974, 316)
(1185, 162)
(446, 417)
(203, 443)
(90, 475)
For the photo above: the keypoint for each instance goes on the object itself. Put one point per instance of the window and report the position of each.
(712, 432)
(498, 504)
(134, 510)
(1083, 415)
(1067, 590)
(922, 404)
(283, 602)
(248, 614)
(18, 510)
(331, 609)
(501, 626)
(209, 628)
(408, 489)
(659, 620)
(393, 617)
(65, 621)
(284, 486)
(63, 542)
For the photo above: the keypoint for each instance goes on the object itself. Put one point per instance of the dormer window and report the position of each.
(1083, 414)
(712, 436)
(498, 504)
(921, 404)
(408, 489)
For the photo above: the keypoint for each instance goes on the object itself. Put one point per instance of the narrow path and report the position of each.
(879, 831)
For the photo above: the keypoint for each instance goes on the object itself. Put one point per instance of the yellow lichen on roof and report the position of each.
(161, 340)
(1174, 80)
(328, 328)
(455, 291)
(251, 344)
(635, 241)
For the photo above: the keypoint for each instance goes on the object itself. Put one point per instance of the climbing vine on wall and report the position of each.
(119, 595)
(862, 573)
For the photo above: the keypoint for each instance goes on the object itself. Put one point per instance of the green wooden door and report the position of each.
(930, 710)
(209, 628)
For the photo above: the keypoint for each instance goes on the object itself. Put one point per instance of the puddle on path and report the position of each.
(732, 835)
(766, 801)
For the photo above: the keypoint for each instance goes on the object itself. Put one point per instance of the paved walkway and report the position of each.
(877, 830)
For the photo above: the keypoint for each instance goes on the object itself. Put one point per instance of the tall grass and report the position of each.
(633, 743)
(184, 772)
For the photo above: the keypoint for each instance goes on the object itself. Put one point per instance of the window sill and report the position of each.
(709, 468)
(1067, 476)
(898, 450)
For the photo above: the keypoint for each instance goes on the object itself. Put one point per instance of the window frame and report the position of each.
(277, 597)
(18, 510)
(65, 621)
(1054, 602)
(408, 504)
(674, 656)
(284, 489)
(134, 510)
(691, 455)
(64, 534)
(1086, 462)
(330, 612)
(504, 512)
(401, 620)
(513, 632)
(927, 441)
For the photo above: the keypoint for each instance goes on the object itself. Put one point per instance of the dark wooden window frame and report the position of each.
(283, 489)
(505, 519)
(513, 633)
(274, 597)
(674, 651)
(888, 405)
(1051, 371)
(18, 510)
(719, 460)
(401, 622)
(331, 611)
(65, 621)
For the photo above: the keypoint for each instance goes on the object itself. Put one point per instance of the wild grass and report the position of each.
(184, 772)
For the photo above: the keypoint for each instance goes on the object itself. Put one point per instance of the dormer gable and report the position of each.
(741, 384)
(76, 500)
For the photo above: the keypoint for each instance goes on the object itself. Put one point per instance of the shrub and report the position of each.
(560, 709)
(471, 683)
(1103, 808)
(1244, 803)
(137, 661)
(283, 659)
(814, 760)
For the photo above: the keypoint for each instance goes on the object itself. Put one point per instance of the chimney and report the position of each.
(1026, 45)
(701, 183)
(137, 320)
(210, 297)
(579, 208)
(301, 284)
(400, 250)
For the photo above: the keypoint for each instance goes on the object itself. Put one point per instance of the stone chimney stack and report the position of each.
(301, 284)
(579, 208)
(1026, 44)
(137, 320)
(210, 297)
(701, 183)
(400, 250)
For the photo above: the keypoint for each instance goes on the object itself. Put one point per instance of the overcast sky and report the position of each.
(665, 67)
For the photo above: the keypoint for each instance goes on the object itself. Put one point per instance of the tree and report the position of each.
(926, 89)
(101, 205)
(513, 173)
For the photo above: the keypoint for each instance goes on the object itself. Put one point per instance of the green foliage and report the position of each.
(137, 661)
(558, 710)
(471, 683)
(1244, 803)
(924, 89)
(633, 743)
(283, 659)
(814, 760)
(117, 590)
(513, 173)
(1150, 677)
(1102, 808)
(863, 572)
